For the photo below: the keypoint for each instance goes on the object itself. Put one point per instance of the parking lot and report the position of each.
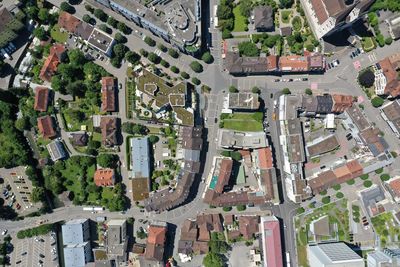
(16, 190)
(35, 251)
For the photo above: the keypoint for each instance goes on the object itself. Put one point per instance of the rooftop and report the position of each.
(244, 101)
(263, 18)
(108, 102)
(271, 241)
(322, 145)
(41, 98)
(101, 40)
(109, 130)
(358, 117)
(46, 127)
(140, 157)
(140, 188)
(330, 253)
(244, 140)
(104, 177)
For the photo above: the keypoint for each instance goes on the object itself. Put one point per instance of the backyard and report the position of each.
(240, 24)
(387, 229)
(242, 122)
(57, 35)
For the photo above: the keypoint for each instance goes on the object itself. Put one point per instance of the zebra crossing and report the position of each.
(372, 57)
(158, 52)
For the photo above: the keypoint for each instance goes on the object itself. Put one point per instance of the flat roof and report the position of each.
(322, 145)
(358, 117)
(271, 241)
(245, 140)
(247, 101)
(329, 253)
(100, 40)
(296, 148)
(140, 157)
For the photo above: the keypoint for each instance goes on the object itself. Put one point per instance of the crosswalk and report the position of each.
(158, 52)
(372, 57)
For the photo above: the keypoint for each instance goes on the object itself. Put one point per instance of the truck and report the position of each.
(287, 259)
(93, 208)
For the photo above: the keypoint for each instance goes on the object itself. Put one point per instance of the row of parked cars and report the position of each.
(8, 50)
(356, 53)
(292, 80)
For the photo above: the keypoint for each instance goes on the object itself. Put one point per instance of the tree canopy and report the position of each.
(248, 49)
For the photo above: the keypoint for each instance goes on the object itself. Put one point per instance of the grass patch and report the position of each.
(242, 122)
(240, 21)
(56, 34)
(130, 87)
(368, 44)
(385, 227)
(285, 15)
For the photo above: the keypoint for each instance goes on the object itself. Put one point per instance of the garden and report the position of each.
(248, 122)
(387, 229)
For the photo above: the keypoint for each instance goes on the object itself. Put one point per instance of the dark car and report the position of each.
(41, 255)
(215, 120)
(24, 253)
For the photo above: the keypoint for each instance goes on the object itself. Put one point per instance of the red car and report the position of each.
(18, 206)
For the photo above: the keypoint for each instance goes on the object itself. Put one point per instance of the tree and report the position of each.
(86, 18)
(377, 101)
(326, 200)
(226, 209)
(67, 7)
(380, 39)
(77, 57)
(300, 210)
(385, 177)
(310, 47)
(196, 66)
(112, 22)
(196, 81)
(104, 28)
(108, 160)
(339, 195)
(153, 57)
(132, 128)
(143, 52)
(286, 91)
(233, 89)
(153, 139)
(76, 88)
(245, 8)
(120, 38)
(226, 34)
(40, 33)
(43, 15)
(366, 78)
(22, 124)
(132, 57)
(388, 40)
(141, 234)
(367, 183)
(241, 207)
(37, 194)
(164, 63)
(162, 47)
(174, 69)
(173, 53)
(120, 50)
(149, 41)
(185, 75)
(99, 13)
(336, 187)
(248, 49)
(89, 8)
(207, 58)
(123, 28)
(255, 90)
(285, 3)
(308, 91)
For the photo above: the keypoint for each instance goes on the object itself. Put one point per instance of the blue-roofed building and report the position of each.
(76, 241)
(140, 157)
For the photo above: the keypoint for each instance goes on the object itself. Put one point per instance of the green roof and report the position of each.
(241, 179)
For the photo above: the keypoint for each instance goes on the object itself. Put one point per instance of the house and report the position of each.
(104, 177)
(140, 157)
(79, 139)
(271, 241)
(248, 226)
(117, 240)
(76, 242)
(56, 150)
(326, 16)
(263, 18)
(394, 188)
(109, 131)
(41, 99)
(237, 65)
(387, 81)
(322, 145)
(108, 103)
(390, 112)
(323, 181)
(189, 230)
(46, 127)
(156, 237)
(101, 42)
(223, 174)
(333, 254)
(341, 103)
(10, 26)
(285, 31)
(321, 228)
(241, 140)
(49, 68)
(394, 27)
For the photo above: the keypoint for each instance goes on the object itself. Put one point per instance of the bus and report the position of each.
(287, 259)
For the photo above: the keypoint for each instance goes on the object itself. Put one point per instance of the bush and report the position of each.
(248, 49)
(300, 210)
(185, 75)
(67, 7)
(207, 58)
(40, 230)
(153, 57)
(380, 39)
(286, 91)
(174, 69)
(394, 154)
(308, 91)
(233, 89)
(99, 13)
(339, 195)
(367, 183)
(149, 41)
(226, 209)
(377, 101)
(385, 177)
(196, 66)
(173, 53)
(164, 63)
(241, 207)
(351, 182)
(366, 78)
(326, 200)
(388, 40)
(162, 48)
(323, 193)
(255, 90)
(297, 24)
(379, 171)
(196, 81)
(336, 187)
(365, 176)
(143, 52)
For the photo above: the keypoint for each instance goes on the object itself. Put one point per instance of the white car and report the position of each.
(4, 232)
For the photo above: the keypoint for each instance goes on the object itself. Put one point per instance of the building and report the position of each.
(97, 39)
(248, 226)
(243, 101)
(394, 27)
(76, 242)
(10, 26)
(117, 240)
(241, 140)
(156, 237)
(390, 112)
(271, 241)
(49, 68)
(177, 22)
(104, 177)
(109, 131)
(341, 103)
(384, 258)
(326, 16)
(140, 165)
(322, 145)
(42, 96)
(394, 188)
(263, 18)
(46, 127)
(162, 96)
(387, 81)
(108, 103)
(56, 150)
(285, 31)
(332, 255)
(79, 139)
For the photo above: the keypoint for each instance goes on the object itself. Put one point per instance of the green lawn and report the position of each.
(386, 228)
(56, 34)
(368, 44)
(242, 122)
(285, 14)
(240, 20)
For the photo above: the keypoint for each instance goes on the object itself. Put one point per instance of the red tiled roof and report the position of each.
(272, 62)
(265, 158)
(50, 65)
(156, 235)
(341, 103)
(355, 168)
(294, 63)
(342, 174)
(395, 186)
(104, 177)
(41, 98)
(68, 21)
(224, 175)
(319, 9)
(273, 245)
(108, 94)
(248, 226)
(46, 127)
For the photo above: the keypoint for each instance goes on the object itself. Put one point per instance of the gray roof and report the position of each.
(331, 253)
(191, 155)
(75, 231)
(140, 157)
(74, 255)
(263, 18)
(56, 150)
(236, 64)
(324, 104)
(245, 140)
(101, 41)
(116, 236)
